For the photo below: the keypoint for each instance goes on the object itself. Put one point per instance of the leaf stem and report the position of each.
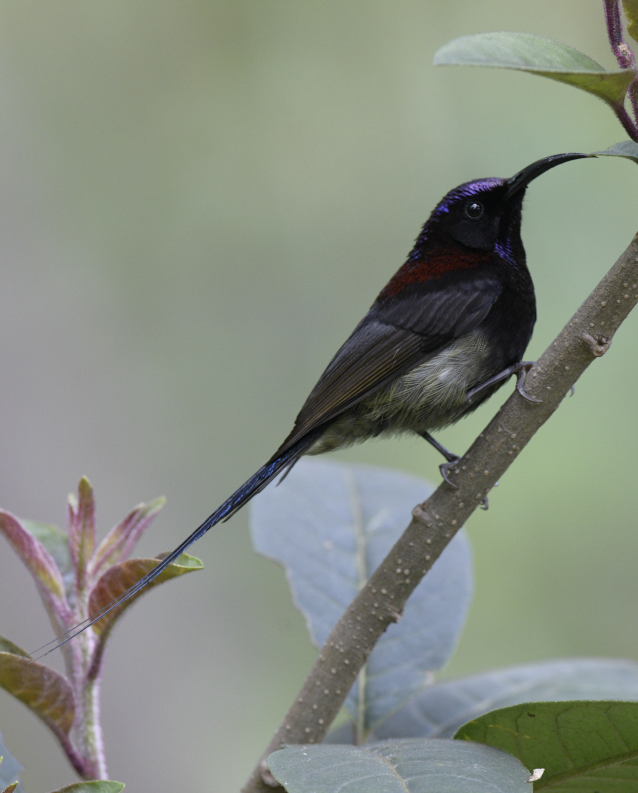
(72, 754)
(626, 120)
(586, 337)
(85, 681)
(626, 60)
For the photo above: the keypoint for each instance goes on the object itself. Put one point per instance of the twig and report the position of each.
(586, 337)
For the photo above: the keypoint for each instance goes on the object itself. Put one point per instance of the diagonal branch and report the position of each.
(586, 337)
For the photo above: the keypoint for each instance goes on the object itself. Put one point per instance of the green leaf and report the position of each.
(626, 148)
(631, 12)
(10, 788)
(537, 55)
(419, 766)
(582, 745)
(10, 768)
(46, 692)
(440, 710)
(7, 646)
(120, 577)
(99, 786)
(330, 525)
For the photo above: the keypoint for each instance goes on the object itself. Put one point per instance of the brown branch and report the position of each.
(586, 337)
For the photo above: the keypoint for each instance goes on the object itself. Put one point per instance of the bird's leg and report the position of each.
(520, 369)
(452, 459)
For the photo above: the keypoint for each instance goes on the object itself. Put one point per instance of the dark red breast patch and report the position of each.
(433, 264)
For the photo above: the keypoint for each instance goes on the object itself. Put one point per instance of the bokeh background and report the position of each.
(198, 201)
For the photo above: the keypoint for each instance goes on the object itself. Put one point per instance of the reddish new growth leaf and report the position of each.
(42, 567)
(81, 516)
(46, 692)
(120, 541)
(116, 581)
(62, 564)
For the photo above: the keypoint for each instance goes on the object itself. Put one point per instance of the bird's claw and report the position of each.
(445, 467)
(523, 369)
(485, 504)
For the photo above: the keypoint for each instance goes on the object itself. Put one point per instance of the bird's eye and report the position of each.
(474, 210)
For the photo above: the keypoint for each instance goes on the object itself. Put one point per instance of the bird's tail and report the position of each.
(241, 496)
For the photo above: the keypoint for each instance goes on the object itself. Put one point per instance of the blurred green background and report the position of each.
(198, 201)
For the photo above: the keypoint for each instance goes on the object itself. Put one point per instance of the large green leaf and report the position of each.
(330, 525)
(537, 55)
(440, 710)
(10, 768)
(418, 766)
(46, 692)
(99, 786)
(583, 746)
(626, 148)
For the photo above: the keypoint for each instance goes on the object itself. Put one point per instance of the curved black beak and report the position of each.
(520, 180)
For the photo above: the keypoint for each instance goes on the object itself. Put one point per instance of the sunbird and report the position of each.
(447, 330)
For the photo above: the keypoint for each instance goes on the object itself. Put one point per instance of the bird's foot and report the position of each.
(519, 369)
(444, 468)
(521, 372)
(452, 459)
(485, 504)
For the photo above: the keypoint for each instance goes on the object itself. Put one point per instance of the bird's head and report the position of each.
(485, 214)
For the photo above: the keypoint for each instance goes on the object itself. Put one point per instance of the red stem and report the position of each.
(626, 60)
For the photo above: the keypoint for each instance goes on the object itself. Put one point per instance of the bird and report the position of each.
(447, 330)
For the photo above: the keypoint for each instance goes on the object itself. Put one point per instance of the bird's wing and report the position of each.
(391, 340)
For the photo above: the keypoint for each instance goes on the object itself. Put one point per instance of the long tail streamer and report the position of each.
(241, 496)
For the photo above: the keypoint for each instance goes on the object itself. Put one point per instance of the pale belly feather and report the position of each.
(425, 399)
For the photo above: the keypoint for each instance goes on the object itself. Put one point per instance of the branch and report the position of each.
(586, 337)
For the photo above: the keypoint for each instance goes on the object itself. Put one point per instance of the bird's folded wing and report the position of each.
(391, 341)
